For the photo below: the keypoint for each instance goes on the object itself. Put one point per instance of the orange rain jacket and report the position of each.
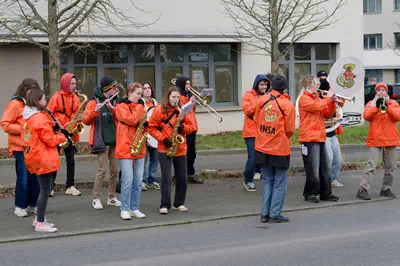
(274, 129)
(312, 111)
(41, 154)
(382, 126)
(249, 103)
(12, 122)
(64, 104)
(128, 116)
(192, 115)
(159, 130)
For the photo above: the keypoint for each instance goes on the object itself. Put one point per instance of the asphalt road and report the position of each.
(86, 170)
(366, 234)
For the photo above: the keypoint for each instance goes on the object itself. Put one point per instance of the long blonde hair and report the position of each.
(308, 81)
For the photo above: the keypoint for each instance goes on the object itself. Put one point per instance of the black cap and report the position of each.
(107, 83)
(322, 73)
(280, 83)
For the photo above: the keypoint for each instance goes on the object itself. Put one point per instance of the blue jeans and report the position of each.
(275, 185)
(250, 165)
(27, 186)
(153, 154)
(334, 156)
(131, 183)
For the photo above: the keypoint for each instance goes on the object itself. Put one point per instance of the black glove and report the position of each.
(167, 143)
(379, 102)
(140, 101)
(180, 128)
(146, 124)
(56, 127)
(65, 132)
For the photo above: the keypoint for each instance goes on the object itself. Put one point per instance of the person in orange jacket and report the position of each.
(161, 126)
(149, 179)
(249, 103)
(275, 120)
(129, 114)
(383, 137)
(332, 142)
(26, 186)
(40, 151)
(183, 83)
(64, 105)
(102, 138)
(312, 136)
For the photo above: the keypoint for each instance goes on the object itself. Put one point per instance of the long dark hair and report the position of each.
(165, 101)
(153, 92)
(25, 86)
(33, 98)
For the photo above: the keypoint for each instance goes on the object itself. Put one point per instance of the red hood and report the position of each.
(65, 82)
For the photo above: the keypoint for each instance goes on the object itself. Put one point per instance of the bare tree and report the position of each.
(60, 21)
(264, 24)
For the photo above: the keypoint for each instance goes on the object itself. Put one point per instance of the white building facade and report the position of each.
(381, 40)
(191, 38)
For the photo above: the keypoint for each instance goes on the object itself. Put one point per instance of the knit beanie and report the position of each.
(280, 83)
(107, 83)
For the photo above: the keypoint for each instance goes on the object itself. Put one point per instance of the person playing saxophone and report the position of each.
(64, 105)
(131, 123)
(165, 122)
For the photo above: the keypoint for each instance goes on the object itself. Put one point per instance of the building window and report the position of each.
(372, 41)
(397, 39)
(372, 6)
(396, 4)
(207, 65)
(305, 59)
(373, 76)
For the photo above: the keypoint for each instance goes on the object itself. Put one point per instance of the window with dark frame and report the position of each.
(372, 6)
(373, 41)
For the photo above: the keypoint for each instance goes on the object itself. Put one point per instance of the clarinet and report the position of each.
(68, 137)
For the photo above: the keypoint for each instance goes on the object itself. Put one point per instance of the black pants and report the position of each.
(166, 180)
(317, 170)
(70, 158)
(45, 187)
(191, 153)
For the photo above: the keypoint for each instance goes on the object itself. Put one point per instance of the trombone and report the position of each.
(325, 93)
(202, 101)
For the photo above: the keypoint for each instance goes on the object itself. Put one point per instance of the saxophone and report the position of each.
(140, 138)
(176, 138)
(75, 126)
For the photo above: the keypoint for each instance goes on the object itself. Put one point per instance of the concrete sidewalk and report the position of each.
(216, 199)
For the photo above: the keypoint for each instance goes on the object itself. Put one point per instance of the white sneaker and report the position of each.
(97, 204)
(114, 202)
(20, 212)
(137, 214)
(73, 191)
(35, 222)
(52, 193)
(144, 186)
(32, 210)
(44, 227)
(336, 183)
(125, 215)
(181, 208)
(257, 176)
(163, 211)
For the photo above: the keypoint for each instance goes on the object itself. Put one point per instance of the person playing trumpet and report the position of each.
(64, 105)
(382, 113)
(129, 114)
(312, 137)
(100, 115)
(166, 118)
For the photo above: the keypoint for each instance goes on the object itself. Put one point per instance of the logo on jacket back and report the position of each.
(270, 114)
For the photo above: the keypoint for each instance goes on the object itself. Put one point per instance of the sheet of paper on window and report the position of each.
(198, 78)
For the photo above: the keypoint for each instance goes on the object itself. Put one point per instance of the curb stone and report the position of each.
(189, 221)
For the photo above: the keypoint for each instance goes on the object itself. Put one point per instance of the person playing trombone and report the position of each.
(382, 113)
(100, 115)
(183, 84)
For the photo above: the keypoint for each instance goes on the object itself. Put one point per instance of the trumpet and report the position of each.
(325, 94)
(203, 102)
